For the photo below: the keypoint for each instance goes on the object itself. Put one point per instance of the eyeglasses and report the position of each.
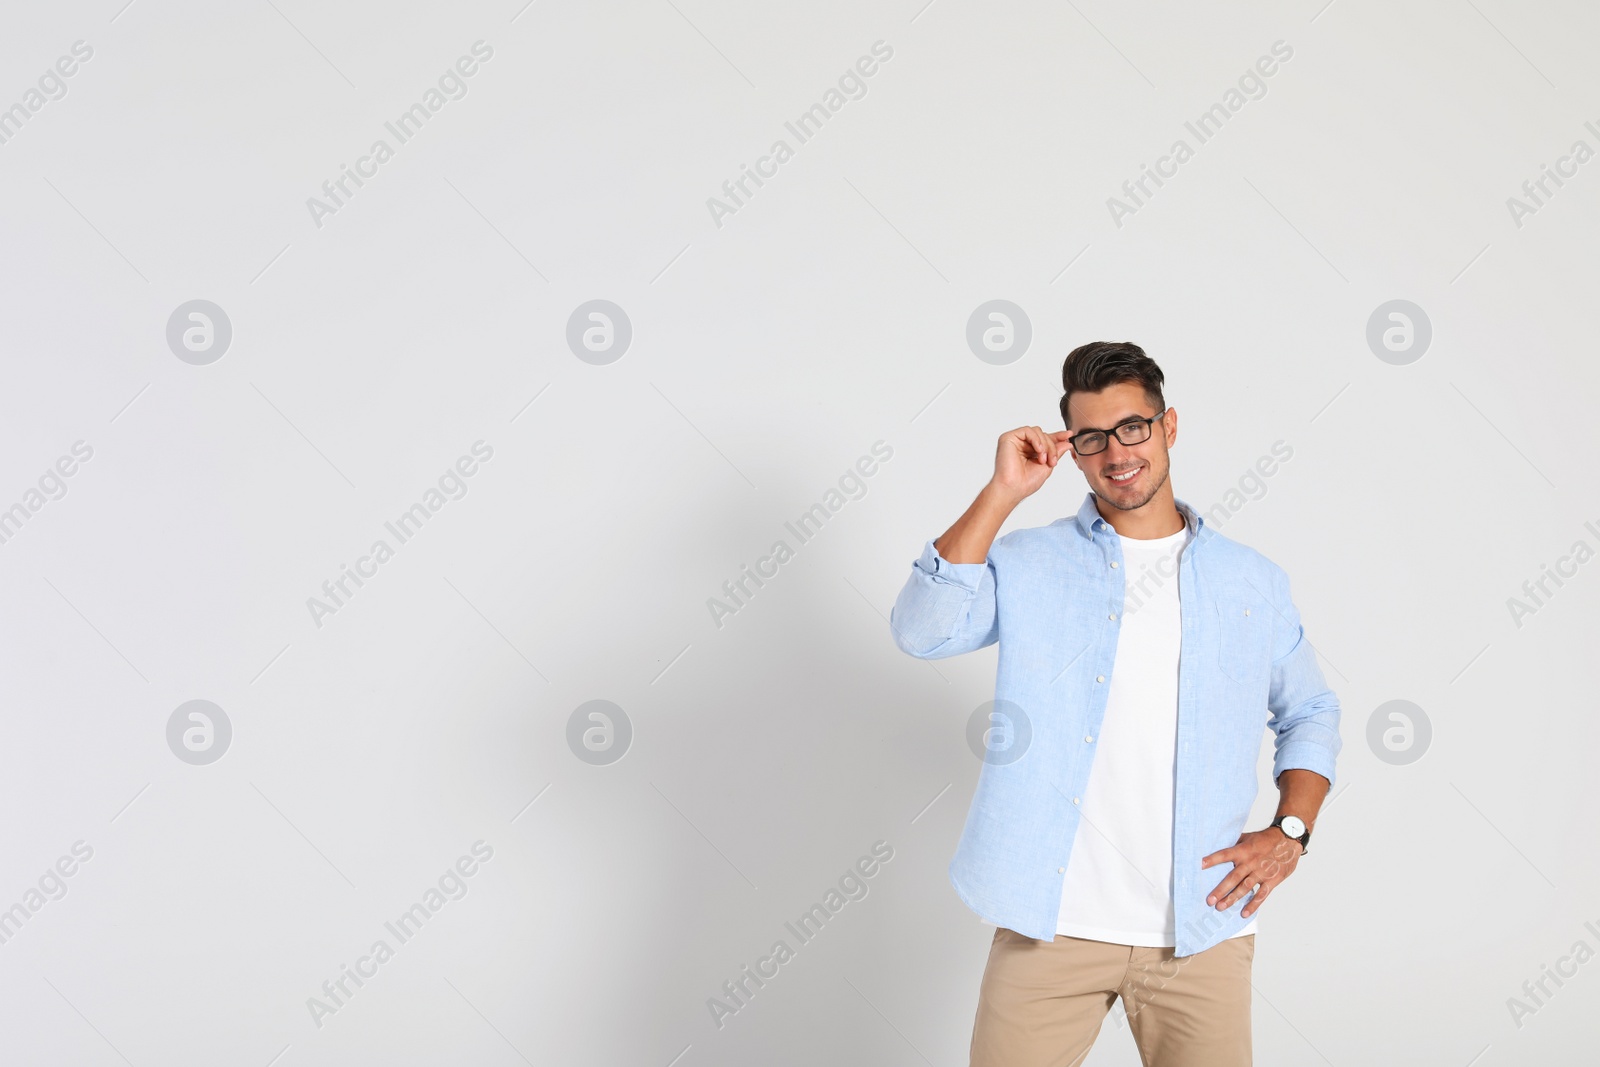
(1134, 431)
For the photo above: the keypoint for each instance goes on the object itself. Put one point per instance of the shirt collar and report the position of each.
(1089, 518)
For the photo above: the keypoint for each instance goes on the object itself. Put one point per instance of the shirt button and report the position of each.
(1061, 870)
(1247, 611)
(1113, 563)
(1099, 677)
(1089, 739)
(1074, 800)
(1112, 616)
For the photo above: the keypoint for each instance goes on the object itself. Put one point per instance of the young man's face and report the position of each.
(1147, 460)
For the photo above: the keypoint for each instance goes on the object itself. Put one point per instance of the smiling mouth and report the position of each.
(1125, 477)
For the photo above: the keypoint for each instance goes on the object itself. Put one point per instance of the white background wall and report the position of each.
(431, 710)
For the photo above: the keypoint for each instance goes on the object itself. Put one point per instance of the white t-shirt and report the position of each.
(1118, 885)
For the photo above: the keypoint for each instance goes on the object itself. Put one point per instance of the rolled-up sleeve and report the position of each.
(1304, 711)
(945, 608)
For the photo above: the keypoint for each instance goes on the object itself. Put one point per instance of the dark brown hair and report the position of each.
(1092, 367)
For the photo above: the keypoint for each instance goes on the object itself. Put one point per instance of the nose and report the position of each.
(1119, 454)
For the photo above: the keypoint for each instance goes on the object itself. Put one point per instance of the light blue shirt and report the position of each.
(1052, 596)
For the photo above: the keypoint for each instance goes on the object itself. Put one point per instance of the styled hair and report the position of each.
(1092, 367)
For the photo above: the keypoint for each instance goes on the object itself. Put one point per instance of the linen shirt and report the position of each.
(1052, 597)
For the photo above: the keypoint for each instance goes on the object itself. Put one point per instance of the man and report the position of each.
(1136, 640)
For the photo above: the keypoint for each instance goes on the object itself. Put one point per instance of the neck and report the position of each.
(1158, 517)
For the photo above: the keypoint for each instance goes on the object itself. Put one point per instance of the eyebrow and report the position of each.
(1119, 422)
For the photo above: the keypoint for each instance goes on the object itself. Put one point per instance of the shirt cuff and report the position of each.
(966, 575)
(1305, 756)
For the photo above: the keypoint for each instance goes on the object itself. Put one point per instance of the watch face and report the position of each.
(1292, 826)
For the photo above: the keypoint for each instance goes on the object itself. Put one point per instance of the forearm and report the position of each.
(1301, 793)
(968, 541)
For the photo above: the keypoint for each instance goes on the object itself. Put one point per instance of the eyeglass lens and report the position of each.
(1129, 433)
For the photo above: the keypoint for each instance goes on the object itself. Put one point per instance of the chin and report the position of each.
(1127, 504)
(1136, 500)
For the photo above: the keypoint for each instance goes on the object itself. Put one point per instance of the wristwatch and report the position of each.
(1295, 829)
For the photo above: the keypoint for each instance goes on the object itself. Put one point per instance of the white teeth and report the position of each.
(1125, 477)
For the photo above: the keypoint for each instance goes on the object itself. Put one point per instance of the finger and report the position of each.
(1246, 886)
(1047, 451)
(1216, 857)
(1242, 877)
(1048, 445)
(1242, 890)
(1040, 451)
(1058, 446)
(1219, 898)
(1047, 442)
(1229, 881)
(1020, 443)
(1255, 902)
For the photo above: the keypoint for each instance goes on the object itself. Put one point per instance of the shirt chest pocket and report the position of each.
(1244, 641)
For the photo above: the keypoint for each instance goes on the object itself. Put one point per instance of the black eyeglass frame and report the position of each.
(1117, 430)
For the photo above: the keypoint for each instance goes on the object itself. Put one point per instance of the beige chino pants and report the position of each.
(1041, 1002)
